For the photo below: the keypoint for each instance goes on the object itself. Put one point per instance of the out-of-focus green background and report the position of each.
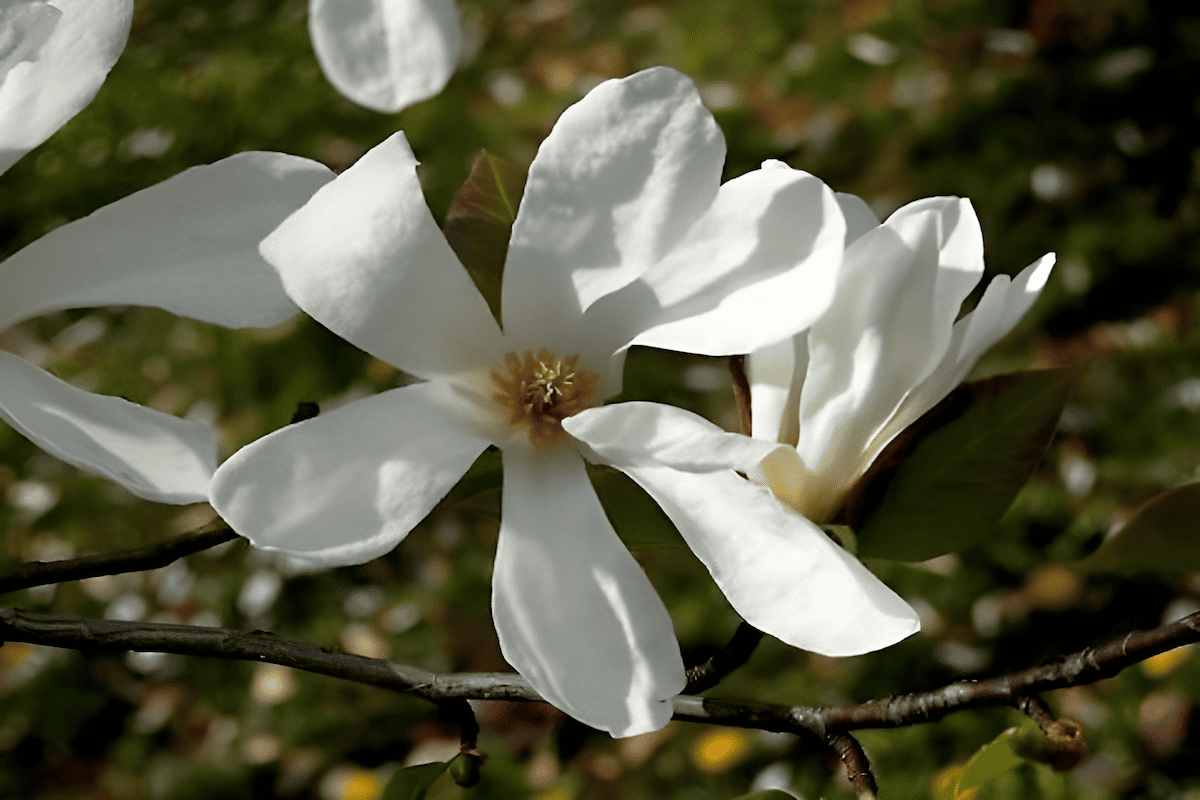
(1071, 125)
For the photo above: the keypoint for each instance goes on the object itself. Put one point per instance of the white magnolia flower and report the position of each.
(188, 245)
(887, 349)
(386, 54)
(624, 235)
(53, 58)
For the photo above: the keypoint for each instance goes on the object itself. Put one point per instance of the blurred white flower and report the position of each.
(53, 58)
(386, 54)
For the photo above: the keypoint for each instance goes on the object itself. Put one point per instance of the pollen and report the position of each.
(542, 390)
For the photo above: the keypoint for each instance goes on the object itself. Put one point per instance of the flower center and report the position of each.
(541, 391)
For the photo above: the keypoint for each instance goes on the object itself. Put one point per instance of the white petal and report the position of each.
(760, 265)
(386, 54)
(640, 433)
(152, 454)
(365, 258)
(860, 219)
(960, 248)
(188, 244)
(345, 487)
(575, 613)
(998, 313)
(1003, 304)
(884, 334)
(776, 374)
(613, 188)
(53, 59)
(778, 570)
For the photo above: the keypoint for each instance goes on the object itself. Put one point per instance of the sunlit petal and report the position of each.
(860, 219)
(874, 344)
(778, 570)
(653, 433)
(365, 258)
(188, 244)
(152, 454)
(617, 183)
(574, 612)
(1003, 304)
(776, 374)
(345, 487)
(760, 265)
(386, 54)
(53, 59)
(959, 260)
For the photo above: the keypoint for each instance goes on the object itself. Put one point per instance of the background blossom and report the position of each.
(53, 58)
(386, 54)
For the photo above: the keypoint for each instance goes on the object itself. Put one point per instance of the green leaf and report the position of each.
(1160, 537)
(634, 515)
(1061, 747)
(479, 222)
(944, 489)
(481, 483)
(413, 783)
(989, 762)
(768, 794)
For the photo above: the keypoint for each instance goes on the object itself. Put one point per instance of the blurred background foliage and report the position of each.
(1071, 125)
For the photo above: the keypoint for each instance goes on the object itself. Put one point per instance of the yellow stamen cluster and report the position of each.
(541, 391)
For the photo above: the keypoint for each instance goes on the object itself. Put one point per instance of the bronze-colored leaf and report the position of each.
(1161, 537)
(479, 222)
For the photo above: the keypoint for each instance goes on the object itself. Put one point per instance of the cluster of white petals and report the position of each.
(887, 350)
(624, 236)
(188, 245)
(386, 54)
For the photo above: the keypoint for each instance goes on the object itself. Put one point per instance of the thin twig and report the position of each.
(39, 573)
(459, 713)
(1036, 709)
(1086, 666)
(858, 766)
(707, 675)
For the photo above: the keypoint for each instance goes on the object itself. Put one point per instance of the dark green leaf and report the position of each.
(412, 783)
(956, 481)
(479, 222)
(481, 482)
(635, 517)
(1160, 537)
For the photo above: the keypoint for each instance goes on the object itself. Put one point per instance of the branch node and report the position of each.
(1061, 744)
(858, 767)
(465, 767)
(741, 646)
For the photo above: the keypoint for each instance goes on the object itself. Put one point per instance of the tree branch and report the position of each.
(1086, 666)
(707, 675)
(39, 573)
